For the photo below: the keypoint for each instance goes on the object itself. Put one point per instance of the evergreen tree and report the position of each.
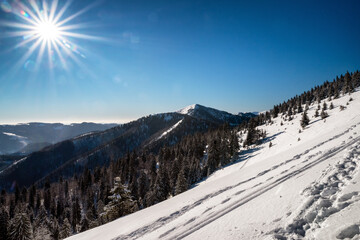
(3, 197)
(234, 143)
(324, 108)
(121, 202)
(323, 114)
(213, 155)
(65, 230)
(85, 224)
(316, 113)
(304, 120)
(41, 224)
(299, 109)
(76, 213)
(161, 187)
(4, 218)
(348, 87)
(55, 230)
(20, 227)
(181, 183)
(32, 195)
(331, 106)
(143, 185)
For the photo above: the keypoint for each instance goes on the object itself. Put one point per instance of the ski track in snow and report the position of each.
(203, 220)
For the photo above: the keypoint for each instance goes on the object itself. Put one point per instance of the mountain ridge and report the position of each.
(151, 132)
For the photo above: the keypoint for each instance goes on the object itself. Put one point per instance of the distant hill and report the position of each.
(29, 137)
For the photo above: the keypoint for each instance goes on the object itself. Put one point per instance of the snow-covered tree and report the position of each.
(20, 228)
(65, 230)
(121, 202)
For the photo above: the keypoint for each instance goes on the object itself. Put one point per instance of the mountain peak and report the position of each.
(212, 114)
(188, 109)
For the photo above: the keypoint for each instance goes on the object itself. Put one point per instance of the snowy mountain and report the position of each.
(214, 115)
(99, 148)
(305, 185)
(29, 137)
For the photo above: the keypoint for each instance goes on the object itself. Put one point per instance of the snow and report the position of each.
(22, 139)
(168, 117)
(13, 135)
(170, 129)
(13, 164)
(187, 109)
(294, 190)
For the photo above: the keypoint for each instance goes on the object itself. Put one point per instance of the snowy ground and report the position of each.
(308, 187)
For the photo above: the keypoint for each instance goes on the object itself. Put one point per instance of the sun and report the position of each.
(47, 31)
(44, 29)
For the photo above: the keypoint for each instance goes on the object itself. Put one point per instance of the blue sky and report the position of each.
(159, 56)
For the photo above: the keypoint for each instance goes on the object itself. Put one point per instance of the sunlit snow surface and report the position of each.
(297, 187)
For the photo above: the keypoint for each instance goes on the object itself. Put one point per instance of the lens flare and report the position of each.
(23, 13)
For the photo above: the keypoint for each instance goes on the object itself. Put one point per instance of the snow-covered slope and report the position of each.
(307, 185)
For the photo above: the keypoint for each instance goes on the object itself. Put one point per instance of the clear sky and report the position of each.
(154, 56)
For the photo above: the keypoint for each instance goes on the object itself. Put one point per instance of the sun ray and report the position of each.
(84, 10)
(73, 26)
(82, 36)
(16, 25)
(40, 55)
(37, 10)
(53, 10)
(30, 51)
(45, 10)
(30, 39)
(26, 13)
(62, 60)
(62, 11)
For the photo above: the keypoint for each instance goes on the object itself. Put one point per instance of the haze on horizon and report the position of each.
(122, 60)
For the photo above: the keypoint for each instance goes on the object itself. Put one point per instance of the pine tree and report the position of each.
(324, 108)
(331, 106)
(32, 195)
(234, 143)
(121, 202)
(213, 155)
(85, 223)
(348, 87)
(299, 109)
(304, 120)
(316, 113)
(4, 218)
(181, 183)
(143, 185)
(41, 224)
(76, 213)
(323, 114)
(161, 188)
(55, 230)
(20, 227)
(65, 230)
(3, 197)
